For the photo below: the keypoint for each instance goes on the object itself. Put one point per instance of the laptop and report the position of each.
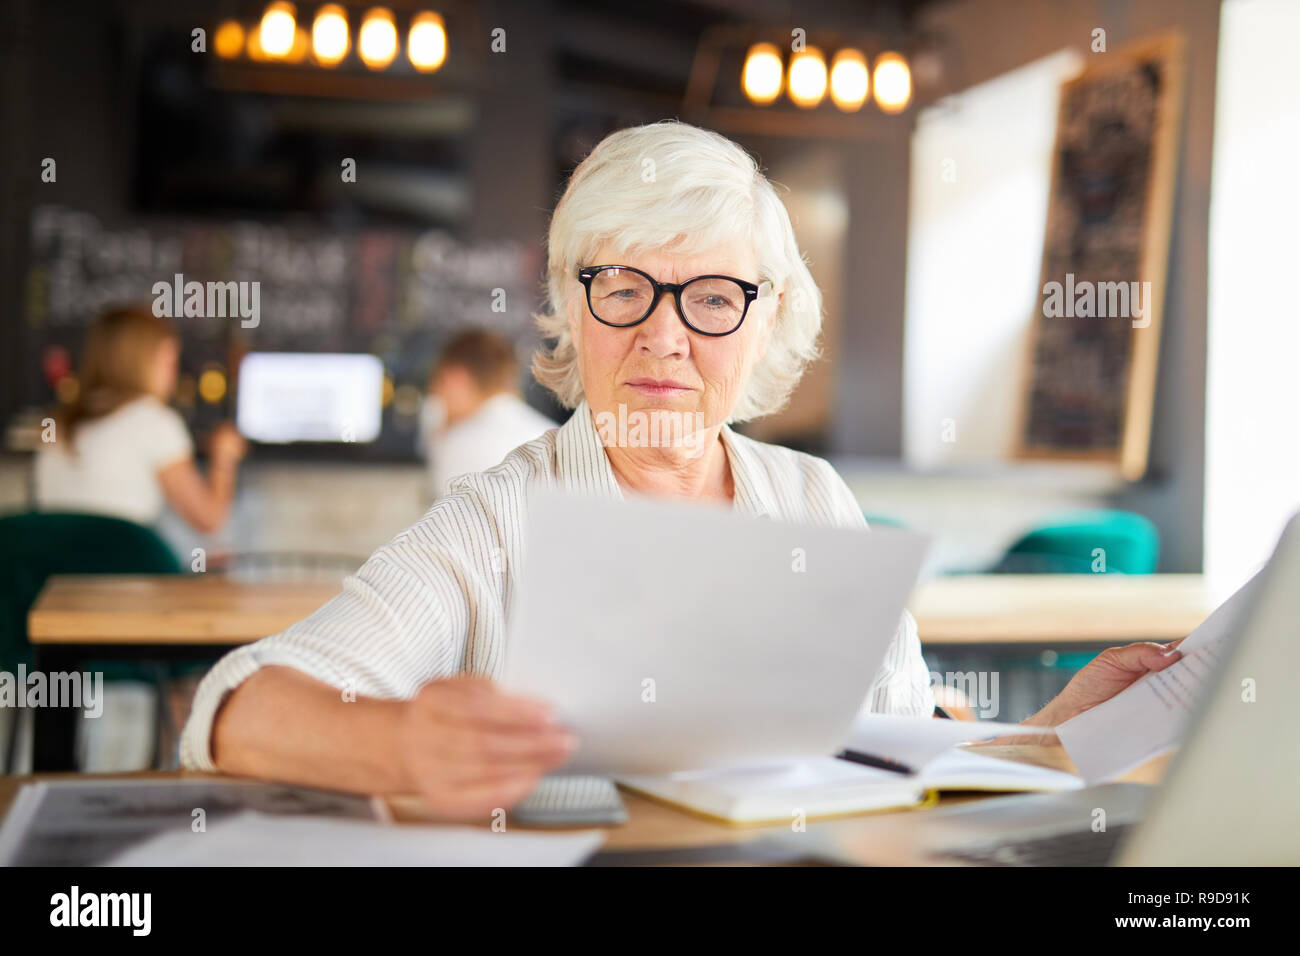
(288, 397)
(1228, 798)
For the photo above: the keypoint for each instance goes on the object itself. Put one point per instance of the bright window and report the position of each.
(981, 174)
(1252, 453)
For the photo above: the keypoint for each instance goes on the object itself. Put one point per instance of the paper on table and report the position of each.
(258, 839)
(674, 636)
(825, 786)
(84, 822)
(819, 774)
(1148, 718)
(915, 741)
(820, 786)
(963, 769)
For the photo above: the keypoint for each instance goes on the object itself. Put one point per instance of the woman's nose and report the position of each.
(664, 334)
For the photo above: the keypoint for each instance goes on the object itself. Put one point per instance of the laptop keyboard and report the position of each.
(1075, 848)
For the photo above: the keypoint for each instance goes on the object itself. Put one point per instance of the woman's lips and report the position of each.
(658, 387)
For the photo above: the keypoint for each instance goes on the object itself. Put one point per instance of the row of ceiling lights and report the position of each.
(807, 79)
(278, 36)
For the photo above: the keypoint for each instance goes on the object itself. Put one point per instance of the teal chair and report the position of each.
(35, 545)
(1129, 543)
(885, 520)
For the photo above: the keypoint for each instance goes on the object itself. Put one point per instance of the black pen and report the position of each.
(881, 763)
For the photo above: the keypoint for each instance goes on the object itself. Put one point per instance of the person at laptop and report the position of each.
(679, 304)
(475, 415)
(119, 449)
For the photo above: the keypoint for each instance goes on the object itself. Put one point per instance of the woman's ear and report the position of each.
(573, 306)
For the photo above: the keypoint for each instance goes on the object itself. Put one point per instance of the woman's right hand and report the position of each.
(227, 446)
(468, 748)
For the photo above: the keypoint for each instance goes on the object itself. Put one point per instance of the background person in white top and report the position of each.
(475, 416)
(679, 296)
(118, 449)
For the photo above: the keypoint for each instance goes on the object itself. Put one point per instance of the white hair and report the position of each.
(672, 186)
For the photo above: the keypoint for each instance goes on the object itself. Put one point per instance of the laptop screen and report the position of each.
(309, 397)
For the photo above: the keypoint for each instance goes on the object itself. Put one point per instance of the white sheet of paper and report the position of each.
(821, 781)
(1149, 717)
(677, 636)
(963, 768)
(915, 741)
(817, 773)
(259, 839)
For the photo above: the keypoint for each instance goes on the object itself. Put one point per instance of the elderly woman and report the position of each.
(676, 291)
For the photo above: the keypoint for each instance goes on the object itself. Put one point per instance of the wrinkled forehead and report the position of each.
(681, 260)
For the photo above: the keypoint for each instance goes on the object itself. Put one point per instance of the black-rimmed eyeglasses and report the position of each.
(621, 296)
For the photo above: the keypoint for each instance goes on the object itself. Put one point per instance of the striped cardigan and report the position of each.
(431, 603)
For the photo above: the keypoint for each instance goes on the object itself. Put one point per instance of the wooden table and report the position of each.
(197, 617)
(1059, 608)
(140, 609)
(962, 610)
(658, 833)
(161, 618)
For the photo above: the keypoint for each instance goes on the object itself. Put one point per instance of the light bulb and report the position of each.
(329, 35)
(377, 41)
(762, 73)
(229, 40)
(277, 29)
(892, 82)
(850, 80)
(807, 77)
(426, 44)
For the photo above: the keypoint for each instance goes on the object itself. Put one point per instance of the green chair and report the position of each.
(885, 520)
(35, 545)
(1068, 544)
(1128, 543)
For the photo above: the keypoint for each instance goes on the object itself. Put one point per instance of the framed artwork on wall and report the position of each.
(1091, 365)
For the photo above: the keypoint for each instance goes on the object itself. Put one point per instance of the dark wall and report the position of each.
(61, 101)
(70, 75)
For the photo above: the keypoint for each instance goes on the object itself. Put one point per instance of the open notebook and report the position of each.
(821, 787)
(829, 786)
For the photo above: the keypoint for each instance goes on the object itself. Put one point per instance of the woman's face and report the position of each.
(661, 365)
(166, 365)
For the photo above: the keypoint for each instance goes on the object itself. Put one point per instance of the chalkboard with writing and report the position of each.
(233, 287)
(1092, 361)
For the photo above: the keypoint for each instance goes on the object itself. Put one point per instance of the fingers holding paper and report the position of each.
(1106, 675)
(469, 748)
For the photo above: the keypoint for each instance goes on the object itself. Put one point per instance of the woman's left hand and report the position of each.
(1105, 676)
